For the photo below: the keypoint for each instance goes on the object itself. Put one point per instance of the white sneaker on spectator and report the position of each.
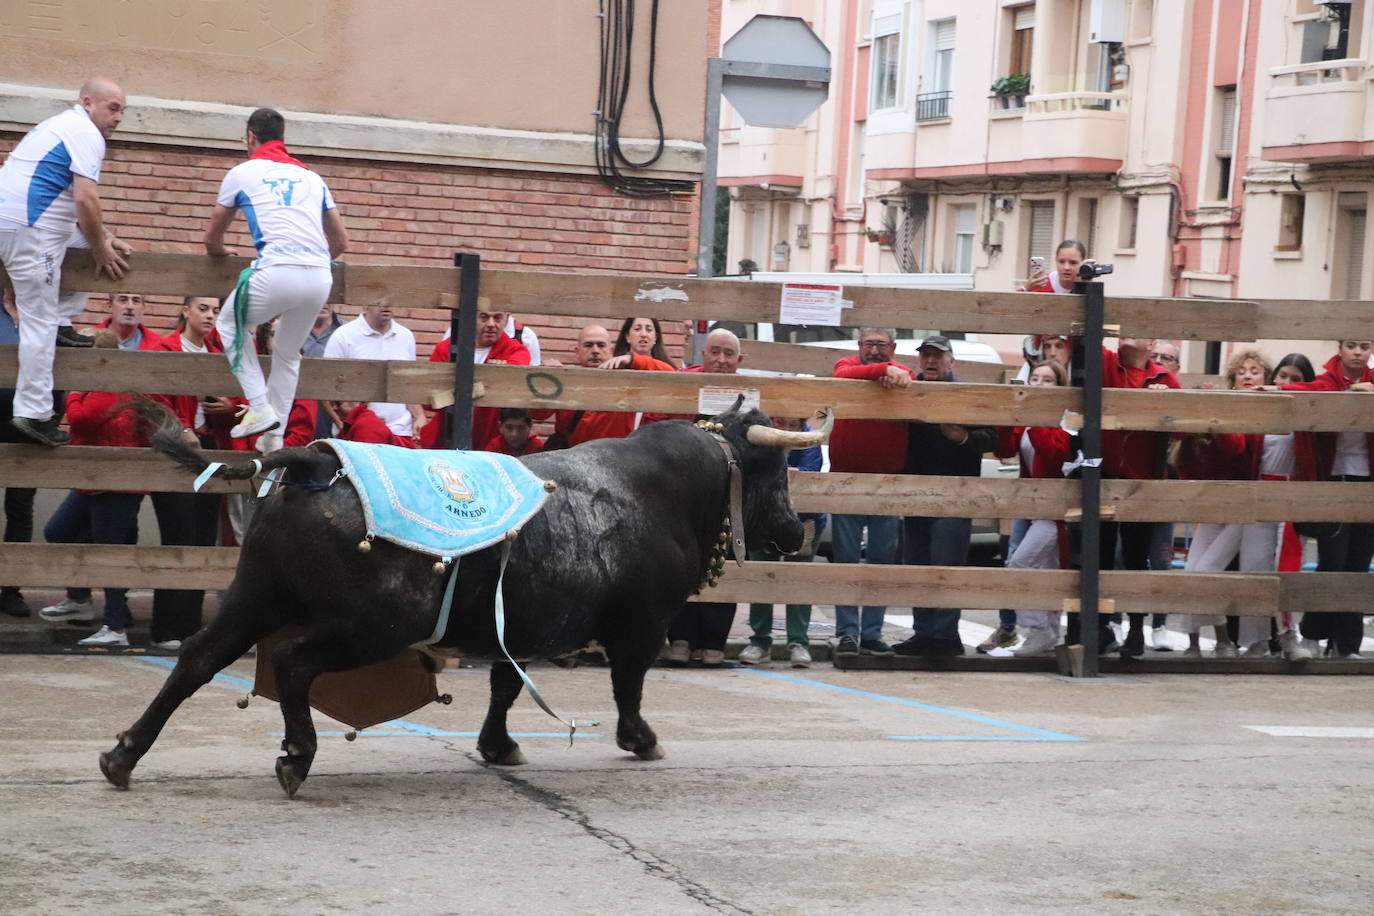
(712, 658)
(1227, 651)
(67, 609)
(1294, 648)
(167, 645)
(269, 443)
(1313, 647)
(1117, 632)
(799, 655)
(753, 655)
(105, 637)
(1036, 643)
(1257, 649)
(252, 424)
(679, 652)
(1350, 656)
(1159, 639)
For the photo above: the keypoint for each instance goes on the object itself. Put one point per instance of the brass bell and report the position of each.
(351, 735)
(550, 486)
(242, 702)
(439, 567)
(364, 546)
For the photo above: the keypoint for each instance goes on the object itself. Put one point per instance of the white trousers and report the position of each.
(295, 295)
(1039, 549)
(1213, 548)
(33, 258)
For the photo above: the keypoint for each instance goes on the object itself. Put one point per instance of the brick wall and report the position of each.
(158, 198)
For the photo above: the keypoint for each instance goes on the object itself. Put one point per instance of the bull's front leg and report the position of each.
(495, 743)
(630, 661)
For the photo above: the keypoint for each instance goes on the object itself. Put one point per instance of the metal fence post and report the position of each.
(462, 339)
(1087, 361)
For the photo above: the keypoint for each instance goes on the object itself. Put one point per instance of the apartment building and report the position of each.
(967, 137)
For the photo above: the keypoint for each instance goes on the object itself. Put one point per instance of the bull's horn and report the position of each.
(782, 438)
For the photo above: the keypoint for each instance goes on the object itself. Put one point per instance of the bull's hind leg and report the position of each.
(495, 743)
(629, 664)
(297, 663)
(230, 634)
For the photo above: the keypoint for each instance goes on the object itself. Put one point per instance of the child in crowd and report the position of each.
(513, 435)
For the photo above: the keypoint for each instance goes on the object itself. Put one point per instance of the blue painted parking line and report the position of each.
(1028, 732)
(403, 729)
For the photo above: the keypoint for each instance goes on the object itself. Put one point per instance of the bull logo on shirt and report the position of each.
(282, 188)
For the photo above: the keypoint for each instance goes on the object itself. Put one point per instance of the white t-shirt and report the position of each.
(1352, 456)
(36, 179)
(527, 337)
(284, 205)
(1278, 457)
(357, 340)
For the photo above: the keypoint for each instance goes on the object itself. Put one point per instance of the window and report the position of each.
(887, 62)
(965, 218)
(1086, 231)
(1291, 212)
(1130, 219)
(1348, 275)
(1225, 114)
(1142, 20)
(942, 60)
(1040, 237)
(1022, 38)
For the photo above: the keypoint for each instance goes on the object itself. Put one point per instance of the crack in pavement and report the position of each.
(653, 864)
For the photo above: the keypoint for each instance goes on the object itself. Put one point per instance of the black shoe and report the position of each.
(68, 336)
(874, 647)
(44, 432)
(846, 645)
(12, 603)
(916, 645)
(1135, 643)
(944, 648)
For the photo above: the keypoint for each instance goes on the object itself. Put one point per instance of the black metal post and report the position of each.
(462, 340)
(1087, 361)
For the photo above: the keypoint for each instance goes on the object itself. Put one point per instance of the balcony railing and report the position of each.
(933, 106)
(1061, 102)
(1346, 70)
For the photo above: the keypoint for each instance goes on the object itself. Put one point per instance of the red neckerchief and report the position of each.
(276, 151)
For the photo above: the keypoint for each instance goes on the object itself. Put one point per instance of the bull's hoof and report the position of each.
(513, 757)
(651, 753)
(288, 776)
(115, 770)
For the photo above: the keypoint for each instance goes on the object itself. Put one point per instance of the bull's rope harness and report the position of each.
(731, 536)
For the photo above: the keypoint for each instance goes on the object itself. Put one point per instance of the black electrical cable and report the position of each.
(653, 94)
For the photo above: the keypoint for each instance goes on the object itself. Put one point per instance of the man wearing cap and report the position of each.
(945, 449)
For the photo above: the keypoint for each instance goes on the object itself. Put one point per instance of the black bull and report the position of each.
(623, 540)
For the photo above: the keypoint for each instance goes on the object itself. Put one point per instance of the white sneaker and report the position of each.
(1036, 643)
(252, 424)
(67, 609)
(1159, 638)
(754, 655)
(679, 652)
(269, 442)
(105, 637)
(799, 655)
(1257, 649)
(1293, 648)
(1227, 651)
(1313, 647)
(167, 645)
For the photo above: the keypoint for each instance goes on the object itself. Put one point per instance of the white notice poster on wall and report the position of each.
(811, 303)
(711, 401)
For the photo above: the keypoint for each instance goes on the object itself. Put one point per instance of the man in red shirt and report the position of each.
(491, 345)
(126, 320)
(868, 447)
(594, 352)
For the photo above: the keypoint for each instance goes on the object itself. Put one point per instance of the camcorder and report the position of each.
(1091, 270)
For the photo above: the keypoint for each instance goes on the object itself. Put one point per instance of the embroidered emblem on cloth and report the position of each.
(442, 503)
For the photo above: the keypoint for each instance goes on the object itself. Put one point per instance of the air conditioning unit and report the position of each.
(1107, 21)
(993, 234)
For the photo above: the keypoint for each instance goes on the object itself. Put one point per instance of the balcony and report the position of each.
(1318, 112)
(1084, 128)
(933, 106)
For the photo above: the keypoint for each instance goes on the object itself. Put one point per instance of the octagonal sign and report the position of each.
(777, 71)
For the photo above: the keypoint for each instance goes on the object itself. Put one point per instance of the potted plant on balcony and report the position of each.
(1011, 90)
(883, 235)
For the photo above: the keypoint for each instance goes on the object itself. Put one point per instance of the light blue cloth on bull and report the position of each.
(443, 503)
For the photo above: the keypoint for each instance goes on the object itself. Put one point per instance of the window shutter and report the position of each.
(944, 35)
(1042, 231)
(1354, 262)
(887, 25)
(1226, 136)
(1023, 17)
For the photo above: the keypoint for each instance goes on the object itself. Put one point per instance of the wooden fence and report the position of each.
(607, 296)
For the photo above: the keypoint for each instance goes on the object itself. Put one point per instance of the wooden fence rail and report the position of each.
(566, 388)
(1245, 594)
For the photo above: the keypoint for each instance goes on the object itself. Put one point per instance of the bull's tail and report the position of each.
(165, 433)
